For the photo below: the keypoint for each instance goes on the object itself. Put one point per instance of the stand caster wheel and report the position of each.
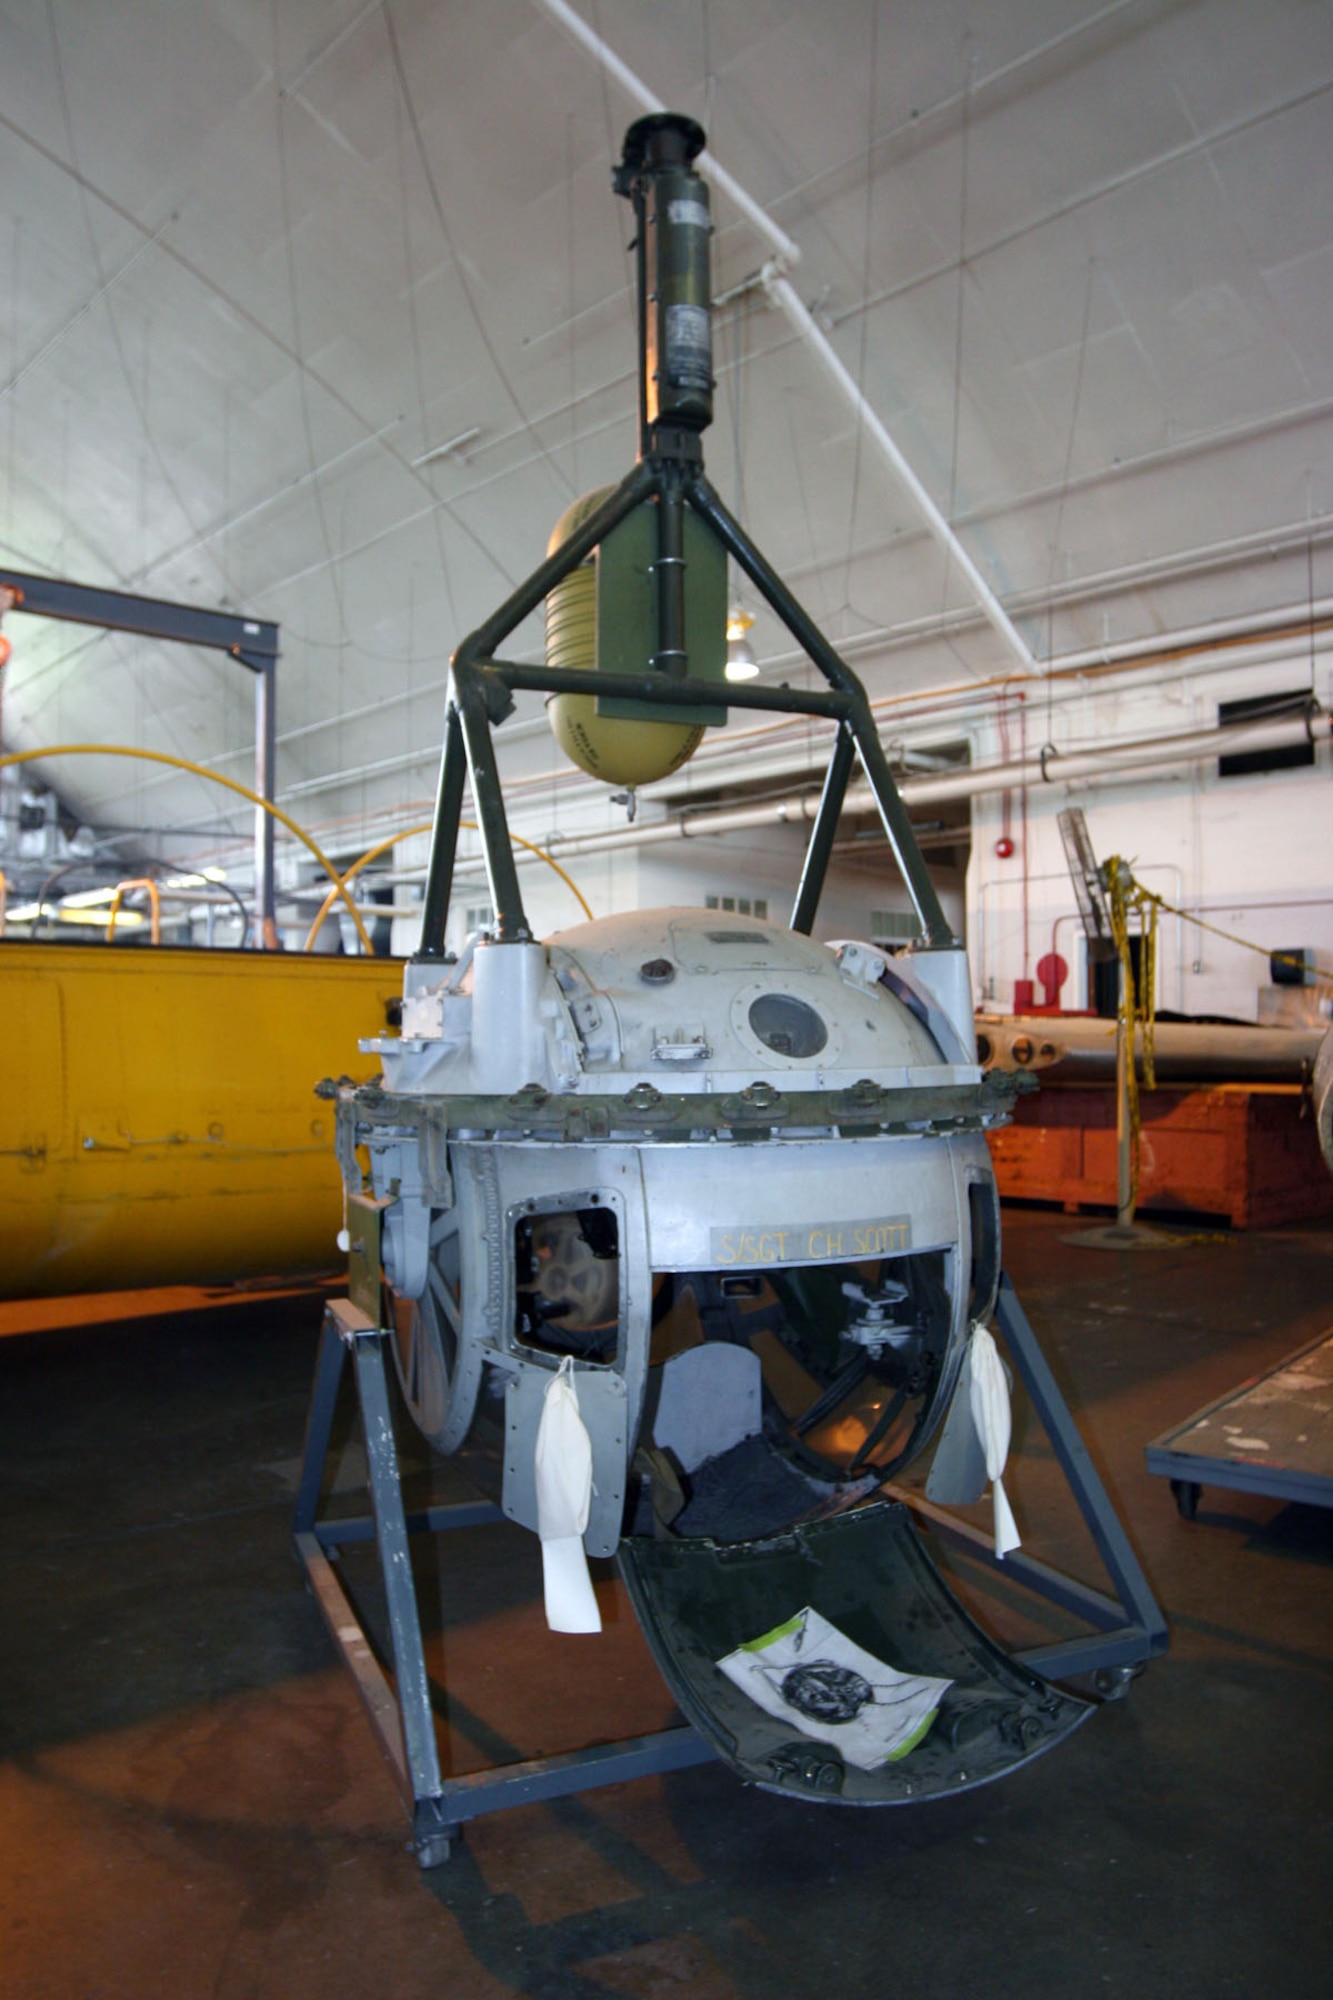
(433, 1853)
(1186, 1492)
(1113, 1683)
(432, 1842)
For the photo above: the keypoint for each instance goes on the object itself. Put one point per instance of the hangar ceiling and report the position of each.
(320, 310)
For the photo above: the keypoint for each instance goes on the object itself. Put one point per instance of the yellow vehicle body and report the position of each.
(158, 1122)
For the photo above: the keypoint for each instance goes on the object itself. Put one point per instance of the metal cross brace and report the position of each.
(1129, 1628)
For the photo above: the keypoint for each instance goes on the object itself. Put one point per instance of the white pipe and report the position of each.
(633, 87)
(1053, 768)
(790, 303)
(1251, 626)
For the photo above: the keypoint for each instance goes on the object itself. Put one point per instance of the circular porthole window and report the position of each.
(788, 1026)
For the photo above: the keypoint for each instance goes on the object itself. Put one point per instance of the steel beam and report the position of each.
(823, 832)
(1129, 1628)
(252, 642)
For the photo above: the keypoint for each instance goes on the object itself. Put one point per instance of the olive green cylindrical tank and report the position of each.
(618, 752)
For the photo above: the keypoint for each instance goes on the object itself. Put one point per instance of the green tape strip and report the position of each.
(913, 1739)
(778, 1632)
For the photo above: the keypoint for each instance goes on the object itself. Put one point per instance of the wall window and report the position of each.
(1265, 708)
(893, 926)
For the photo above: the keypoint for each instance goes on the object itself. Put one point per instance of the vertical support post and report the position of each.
(444, 838)
(823, 832)
(1124, 1135)
(409, 1658)
(511, 924)
(266, 760)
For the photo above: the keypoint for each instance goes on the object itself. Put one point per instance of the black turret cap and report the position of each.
(662, 139)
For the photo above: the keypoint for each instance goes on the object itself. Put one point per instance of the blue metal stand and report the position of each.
(400, 1711)
(1129, 1628)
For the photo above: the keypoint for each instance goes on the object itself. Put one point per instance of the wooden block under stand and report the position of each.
(1246, 1151)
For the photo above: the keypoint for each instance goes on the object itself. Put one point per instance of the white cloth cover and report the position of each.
(990, 1413)
(563, 1466)
(814, 1678)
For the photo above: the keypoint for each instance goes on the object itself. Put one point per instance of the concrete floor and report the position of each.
(191, 1803)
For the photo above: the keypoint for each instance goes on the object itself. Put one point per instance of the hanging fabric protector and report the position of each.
(563, 1468)
(990, 1414)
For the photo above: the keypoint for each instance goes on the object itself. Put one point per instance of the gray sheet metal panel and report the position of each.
(532, 1178)
(603, 1407)
(543, 1175)
(698, 1195)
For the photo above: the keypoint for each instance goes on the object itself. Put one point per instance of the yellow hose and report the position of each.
(216, 778)
(154, 903)
(382, 846)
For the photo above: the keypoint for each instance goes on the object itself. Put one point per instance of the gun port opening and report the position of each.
(567, 1282)
(777, 1396)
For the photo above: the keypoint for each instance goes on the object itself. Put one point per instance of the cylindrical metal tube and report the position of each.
(675, 230)
(1074, 1049)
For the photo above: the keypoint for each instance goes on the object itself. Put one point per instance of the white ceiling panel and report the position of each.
(258, 260)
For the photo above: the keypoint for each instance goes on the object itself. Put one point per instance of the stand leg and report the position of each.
(409, 1659)
(401, 1717)
(1129, 1628)
(319, 1422)
(1143, 1632)
(400, 1711)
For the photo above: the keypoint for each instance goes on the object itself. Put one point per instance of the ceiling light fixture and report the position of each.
(452, 449)
(741, 662)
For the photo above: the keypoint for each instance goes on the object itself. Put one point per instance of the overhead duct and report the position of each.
(1046, 767)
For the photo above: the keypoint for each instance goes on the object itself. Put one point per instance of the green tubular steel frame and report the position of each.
(674, 408)
(483, 687)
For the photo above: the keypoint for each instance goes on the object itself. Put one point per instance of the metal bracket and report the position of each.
(365, 1256)
(400, 1711)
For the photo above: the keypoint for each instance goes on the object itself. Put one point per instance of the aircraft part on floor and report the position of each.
(733, 1183)
(845, 1232)
(762, 1262)
(158, 1123)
